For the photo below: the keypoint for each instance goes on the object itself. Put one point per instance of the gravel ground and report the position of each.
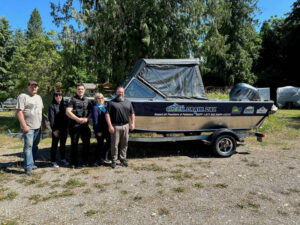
(177, 184)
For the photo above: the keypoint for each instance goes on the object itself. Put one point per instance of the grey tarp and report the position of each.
(171, 77)
(288, 94)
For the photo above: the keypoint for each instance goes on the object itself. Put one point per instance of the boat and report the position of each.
(168, 97)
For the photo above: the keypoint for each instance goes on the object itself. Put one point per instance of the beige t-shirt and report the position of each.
(32, 107)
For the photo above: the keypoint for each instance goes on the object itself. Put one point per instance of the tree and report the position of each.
(34, 25)
(38, 60)
(291, 33)
(117, 33)
(6, 54)
(232, 43)
(278, 60)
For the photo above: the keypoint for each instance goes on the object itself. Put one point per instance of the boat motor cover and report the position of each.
(244, 92)
(288, 94)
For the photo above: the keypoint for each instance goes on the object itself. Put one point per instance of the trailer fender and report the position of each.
(219, 132)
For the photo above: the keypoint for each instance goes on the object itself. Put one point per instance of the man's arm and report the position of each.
(111, 129)
(21, 119)
(132, 121)
(74, 117)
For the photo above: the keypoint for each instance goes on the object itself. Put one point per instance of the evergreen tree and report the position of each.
(6, 54)
(117, 33)
(232, 43)
(34, 25)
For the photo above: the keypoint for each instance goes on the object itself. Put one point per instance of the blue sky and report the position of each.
(17, 12)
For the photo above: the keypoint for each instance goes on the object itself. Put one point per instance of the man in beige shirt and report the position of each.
(29, 112)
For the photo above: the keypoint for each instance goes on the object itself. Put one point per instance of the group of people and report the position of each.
(111, 122)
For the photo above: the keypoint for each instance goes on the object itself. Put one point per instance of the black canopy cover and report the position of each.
(170, 77)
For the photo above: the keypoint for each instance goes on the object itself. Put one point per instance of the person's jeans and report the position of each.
(31, 141)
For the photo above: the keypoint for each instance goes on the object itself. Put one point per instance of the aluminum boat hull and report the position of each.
(183, 116)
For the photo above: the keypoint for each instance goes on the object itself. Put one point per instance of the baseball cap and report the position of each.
(32, 83)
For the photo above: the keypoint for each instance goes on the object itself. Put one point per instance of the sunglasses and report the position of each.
(100, 98)
(56, 95)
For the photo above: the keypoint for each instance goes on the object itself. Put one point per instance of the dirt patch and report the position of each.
(164, 184)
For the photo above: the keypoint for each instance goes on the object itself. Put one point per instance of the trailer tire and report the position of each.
(224, 145)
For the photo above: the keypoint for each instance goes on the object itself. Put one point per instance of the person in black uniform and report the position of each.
(79, 112)
(59, 124)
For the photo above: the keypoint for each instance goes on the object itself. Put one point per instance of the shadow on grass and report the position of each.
(193, 149)
(295, 122)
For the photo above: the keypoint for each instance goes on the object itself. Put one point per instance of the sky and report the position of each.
(17, 12)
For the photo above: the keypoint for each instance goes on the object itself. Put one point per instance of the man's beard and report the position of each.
(120, 98)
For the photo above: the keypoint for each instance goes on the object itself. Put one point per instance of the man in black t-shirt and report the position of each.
(79, 111)
(119, 115)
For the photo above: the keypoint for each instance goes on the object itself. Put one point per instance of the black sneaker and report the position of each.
(113, 164)
(124, 163)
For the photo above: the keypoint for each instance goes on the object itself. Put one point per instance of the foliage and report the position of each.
(34, 25)
(231, 43)
(6, 54)
(278, 60)
(118, 33)
(37, 60)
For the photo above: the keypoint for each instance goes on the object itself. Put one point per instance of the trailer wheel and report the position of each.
(224, 145)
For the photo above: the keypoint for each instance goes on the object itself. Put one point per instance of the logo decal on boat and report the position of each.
(249, 110)
(190, 109)
(262, 110)
(175, 108)
(236, 110)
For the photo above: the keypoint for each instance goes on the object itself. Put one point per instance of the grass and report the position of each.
(178, 189)
(29, 180)
(100, 187)
(3, 176)
(284, 123)
(72, 183)
(35, 198)
(199, 185)
(163, 211)
(8, 120)
(247, 203)
(137, 198)
(8, 223)
(221, 185)
(55, 194)
(152, 167)
(16, 147)
(204, 164)
(218, 95)
(9, 196)
(253, 164)
(91, 212)
(124, 192)
(282, 213)
(294, 190)
(183, 176)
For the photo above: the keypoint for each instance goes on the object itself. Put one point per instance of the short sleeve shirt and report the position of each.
(119, 112)
(81, 107)
(32, 107)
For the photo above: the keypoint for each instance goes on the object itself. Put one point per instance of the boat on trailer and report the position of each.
(168, 97)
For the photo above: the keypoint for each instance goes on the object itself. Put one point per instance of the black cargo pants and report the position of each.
(84, 132)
